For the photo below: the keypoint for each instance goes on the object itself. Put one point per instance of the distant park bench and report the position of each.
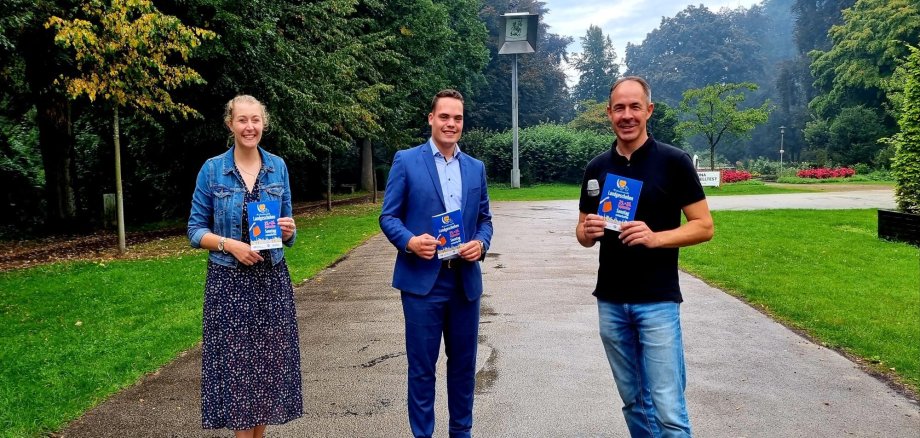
(350, 187)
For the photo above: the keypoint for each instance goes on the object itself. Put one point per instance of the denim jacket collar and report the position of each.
(229, 165)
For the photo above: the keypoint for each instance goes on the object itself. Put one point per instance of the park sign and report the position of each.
(518, 34)
(709, 178)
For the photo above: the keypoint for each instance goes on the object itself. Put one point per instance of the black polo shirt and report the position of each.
(636, 274)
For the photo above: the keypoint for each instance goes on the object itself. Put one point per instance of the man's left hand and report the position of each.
(638, 233)
(471, 251)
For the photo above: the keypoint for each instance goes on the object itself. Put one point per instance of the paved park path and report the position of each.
(542, 371)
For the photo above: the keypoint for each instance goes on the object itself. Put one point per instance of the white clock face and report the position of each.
(516, 29)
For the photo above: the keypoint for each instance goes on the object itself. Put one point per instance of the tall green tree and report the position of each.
(867, 49)
(597, 66)
(853, 136)
(697, 47)
(311, 63)
(664, 125)
(30, 62)
(431, 45)
(715, 112)
(794, 84)
(124, 52)
(542, 88)
(906, 163)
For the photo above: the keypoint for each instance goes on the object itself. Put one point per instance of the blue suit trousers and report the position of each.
(446, 311)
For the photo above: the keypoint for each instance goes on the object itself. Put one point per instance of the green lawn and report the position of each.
(825, 272)
(538, 192)
(74, 333)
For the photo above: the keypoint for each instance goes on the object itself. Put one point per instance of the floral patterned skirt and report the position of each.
(250, 371)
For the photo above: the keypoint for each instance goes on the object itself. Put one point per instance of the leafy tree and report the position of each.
(431, 45)
(906, 163)
(597, 65)
(123, 52)
(591, 116)
(542, 89)
(813, 19)
(714, 112)
(30, 63)
(310, 63)
(794, 83)
(664, 125)
(866, 50)
(853, 136)
(695, 48)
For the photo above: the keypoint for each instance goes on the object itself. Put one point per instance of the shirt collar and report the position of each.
(639, 153)
(437, 153)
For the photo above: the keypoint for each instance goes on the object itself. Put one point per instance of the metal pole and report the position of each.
(782, 134)
(515, 170)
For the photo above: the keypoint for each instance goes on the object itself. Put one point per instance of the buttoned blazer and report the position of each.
(413, 195)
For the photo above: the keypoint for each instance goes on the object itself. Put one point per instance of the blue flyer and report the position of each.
(264, 232)
(619, 200)
(448, 230)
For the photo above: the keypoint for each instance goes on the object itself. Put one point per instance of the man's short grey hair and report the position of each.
(642, 82)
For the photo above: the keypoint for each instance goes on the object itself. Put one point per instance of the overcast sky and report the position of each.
(622, 20)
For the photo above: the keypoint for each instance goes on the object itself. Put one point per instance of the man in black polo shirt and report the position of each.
(638, 295)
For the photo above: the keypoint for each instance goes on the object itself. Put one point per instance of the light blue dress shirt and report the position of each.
(449, 174)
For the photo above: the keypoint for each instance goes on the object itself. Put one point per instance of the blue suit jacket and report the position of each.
(413, 195)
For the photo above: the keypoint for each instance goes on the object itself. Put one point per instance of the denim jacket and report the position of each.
(217, 204)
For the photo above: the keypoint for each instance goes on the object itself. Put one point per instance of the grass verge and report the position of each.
(826, 273)
(75, 333)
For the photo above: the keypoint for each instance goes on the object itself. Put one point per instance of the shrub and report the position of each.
(824, 173)
(760, 166)
(547, 152)
(732, 176)
(906, 163)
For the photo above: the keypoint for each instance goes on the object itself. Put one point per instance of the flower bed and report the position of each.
(730, 176)
(824, 173)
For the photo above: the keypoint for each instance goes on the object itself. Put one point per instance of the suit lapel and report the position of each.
(427, 159)
(468, 180)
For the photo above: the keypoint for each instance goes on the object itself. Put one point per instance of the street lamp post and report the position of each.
(519, 35)
(782, 133)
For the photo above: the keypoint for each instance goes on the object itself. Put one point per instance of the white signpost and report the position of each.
(710, 178)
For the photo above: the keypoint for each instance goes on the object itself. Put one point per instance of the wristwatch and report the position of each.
(220, 244)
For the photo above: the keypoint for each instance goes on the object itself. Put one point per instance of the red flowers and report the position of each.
(823, 173)
(730, 176)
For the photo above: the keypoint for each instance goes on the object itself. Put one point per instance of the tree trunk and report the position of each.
(367, 165)
(53, 119)
(56, 143)
(329, 181)
(712, 157)
(119, 196)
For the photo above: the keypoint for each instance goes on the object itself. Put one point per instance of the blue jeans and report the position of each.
(646, 354)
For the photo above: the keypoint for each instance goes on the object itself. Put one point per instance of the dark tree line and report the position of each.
(342, 79)
(349, 81)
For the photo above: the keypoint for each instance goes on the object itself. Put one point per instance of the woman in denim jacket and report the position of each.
(250, 371)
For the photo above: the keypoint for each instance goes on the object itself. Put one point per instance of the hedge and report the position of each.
(547, 152)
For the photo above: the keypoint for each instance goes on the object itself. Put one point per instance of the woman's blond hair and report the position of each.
(245, 98)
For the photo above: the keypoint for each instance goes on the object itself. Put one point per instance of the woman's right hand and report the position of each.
(243, 252)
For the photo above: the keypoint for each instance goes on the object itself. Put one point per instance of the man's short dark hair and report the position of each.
(645, 87)
(447, 92)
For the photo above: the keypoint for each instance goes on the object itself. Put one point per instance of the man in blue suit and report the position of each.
(439, 297)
